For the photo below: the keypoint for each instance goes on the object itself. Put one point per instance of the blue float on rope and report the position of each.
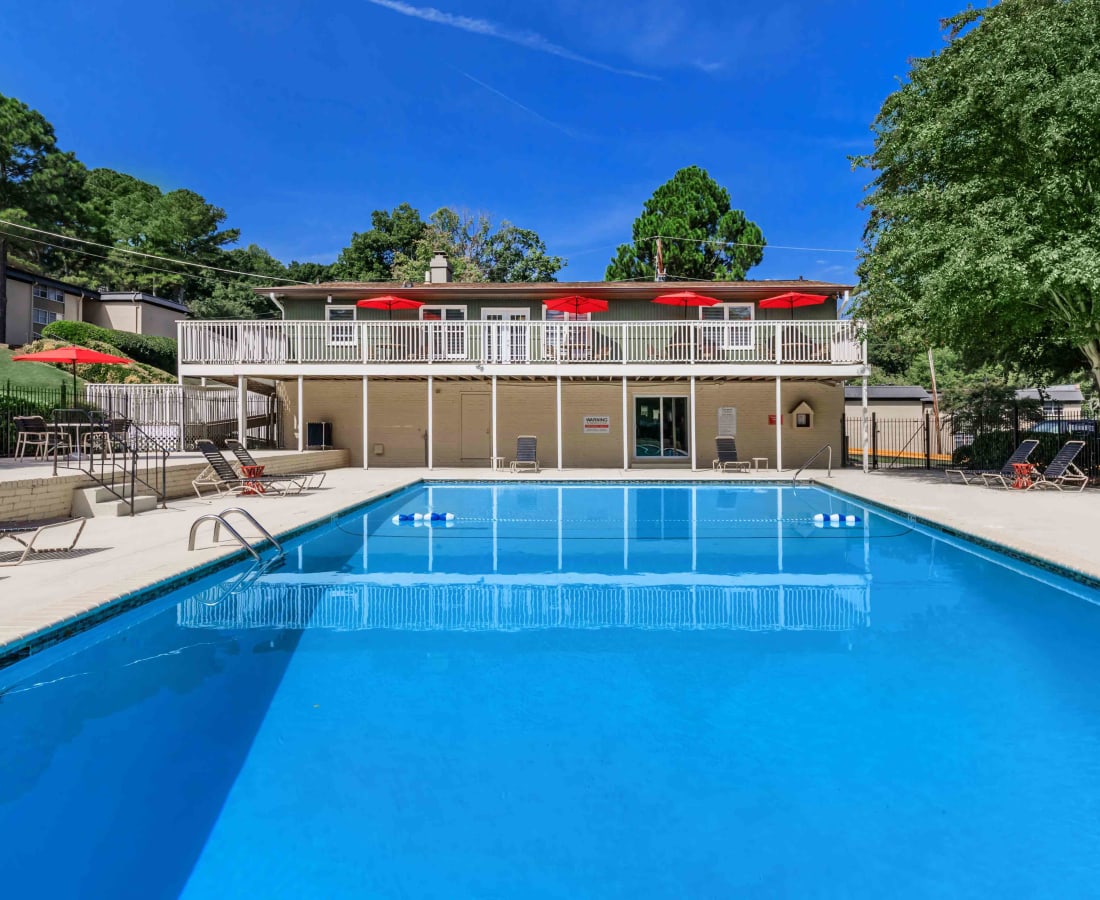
(422, 518)
(835, 520)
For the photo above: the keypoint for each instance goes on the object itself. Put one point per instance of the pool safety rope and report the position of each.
(835, 520)
(430, 519)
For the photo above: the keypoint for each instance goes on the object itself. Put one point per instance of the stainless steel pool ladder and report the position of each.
(219, 520)
(828, 447)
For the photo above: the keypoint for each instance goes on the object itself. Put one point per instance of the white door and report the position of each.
(446, 331)
(508, 342)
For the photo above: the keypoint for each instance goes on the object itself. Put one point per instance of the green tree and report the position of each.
(707, 239)
(477, 252)
(40, 186)
(178, 224)
(984, 225)
(370, 255)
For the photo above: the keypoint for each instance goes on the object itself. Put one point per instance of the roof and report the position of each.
(888, 392)
(1061, 393)
(142, 297)
(33, 278)
(601, 290)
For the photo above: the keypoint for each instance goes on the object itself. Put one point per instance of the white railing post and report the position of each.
(363, 341)
(625, 347)
(778, 342)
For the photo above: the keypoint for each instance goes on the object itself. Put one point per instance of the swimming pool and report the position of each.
(597, 691)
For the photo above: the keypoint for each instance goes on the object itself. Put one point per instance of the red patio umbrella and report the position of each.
(576, 304)
(791, 299)
(389, 302)
(72, 356)
(685, 299)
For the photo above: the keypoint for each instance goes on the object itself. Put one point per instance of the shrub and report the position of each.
(991, 449)
(158, 352)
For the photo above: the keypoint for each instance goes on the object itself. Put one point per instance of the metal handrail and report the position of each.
(219, 521)
(828, 447)
(251, 518)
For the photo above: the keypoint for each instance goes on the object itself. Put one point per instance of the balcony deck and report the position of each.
(583, 349)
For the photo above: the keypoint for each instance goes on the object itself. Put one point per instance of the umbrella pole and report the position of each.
(74, 384)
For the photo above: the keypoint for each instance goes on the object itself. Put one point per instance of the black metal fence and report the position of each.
(16, 400)
(980, 439)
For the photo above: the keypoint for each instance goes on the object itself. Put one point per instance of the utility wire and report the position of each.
(178, 262)
(665, 237)
(136, 265)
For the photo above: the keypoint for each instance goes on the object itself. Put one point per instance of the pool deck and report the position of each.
(123, 555)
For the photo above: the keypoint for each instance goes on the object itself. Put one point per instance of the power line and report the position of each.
(665, 237)
(136, 265)
(178, 262)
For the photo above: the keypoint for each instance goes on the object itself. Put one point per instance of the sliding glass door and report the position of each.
(661, 427)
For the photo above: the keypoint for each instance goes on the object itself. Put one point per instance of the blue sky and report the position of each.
(300, 118)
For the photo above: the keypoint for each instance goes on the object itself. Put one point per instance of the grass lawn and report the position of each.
(33, 375)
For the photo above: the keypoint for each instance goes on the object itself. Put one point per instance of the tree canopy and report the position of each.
(47, 188)
(706, 238)
(984, 226)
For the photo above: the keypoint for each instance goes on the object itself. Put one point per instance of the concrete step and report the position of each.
(91, 503)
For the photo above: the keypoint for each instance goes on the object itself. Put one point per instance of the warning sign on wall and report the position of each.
(597, 424)
(771, 419)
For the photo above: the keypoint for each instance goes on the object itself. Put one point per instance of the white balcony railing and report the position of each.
(520, 343)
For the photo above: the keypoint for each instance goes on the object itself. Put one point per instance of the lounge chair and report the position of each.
(726, 450)
(312, 479)
(28, 535)
(1061, 472)
(1020, 455)
(220, 475)
(526, 454)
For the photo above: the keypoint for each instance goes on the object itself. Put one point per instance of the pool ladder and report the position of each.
(220, 522)
(828, 447)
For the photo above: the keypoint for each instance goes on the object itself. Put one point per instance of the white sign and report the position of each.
(597, 424)
(727, 421)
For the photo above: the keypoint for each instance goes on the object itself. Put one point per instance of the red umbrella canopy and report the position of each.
(686, 299)
(390, 302)
(791, 299)
(72, 356)
(576, 304)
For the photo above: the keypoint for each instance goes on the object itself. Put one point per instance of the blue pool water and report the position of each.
(572, 692)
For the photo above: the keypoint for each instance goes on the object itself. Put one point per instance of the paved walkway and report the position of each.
(121, 555)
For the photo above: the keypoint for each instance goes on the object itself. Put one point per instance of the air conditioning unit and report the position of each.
(319, 436)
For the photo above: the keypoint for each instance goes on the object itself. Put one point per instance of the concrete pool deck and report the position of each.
(122, 555)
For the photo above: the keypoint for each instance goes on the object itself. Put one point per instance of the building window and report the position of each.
(45, 316)
(341, 329)
(728, 326)
(41, 292)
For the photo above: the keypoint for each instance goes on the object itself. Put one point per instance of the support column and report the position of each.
(559, 423)
(626, 430)
(694, 431)
(431, 390)
(301, 414)
(778, 425)
(863, 428)
(366, 420)
(494, 425)
(242, 411)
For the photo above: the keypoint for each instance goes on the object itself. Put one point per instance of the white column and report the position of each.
(366, 430)
(183, 415)
(242, 410)
(865, 429)
(494, 417)
(430, 391)
(626, 431)
(559, 423)
(778, 424)
(691, 416)
(301, 415)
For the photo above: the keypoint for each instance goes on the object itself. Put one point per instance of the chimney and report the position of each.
(439, 272)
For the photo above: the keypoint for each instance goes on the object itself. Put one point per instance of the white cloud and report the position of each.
(529, 39)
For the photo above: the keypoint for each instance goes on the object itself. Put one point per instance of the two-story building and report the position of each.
(35, 301)
(455, 380)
